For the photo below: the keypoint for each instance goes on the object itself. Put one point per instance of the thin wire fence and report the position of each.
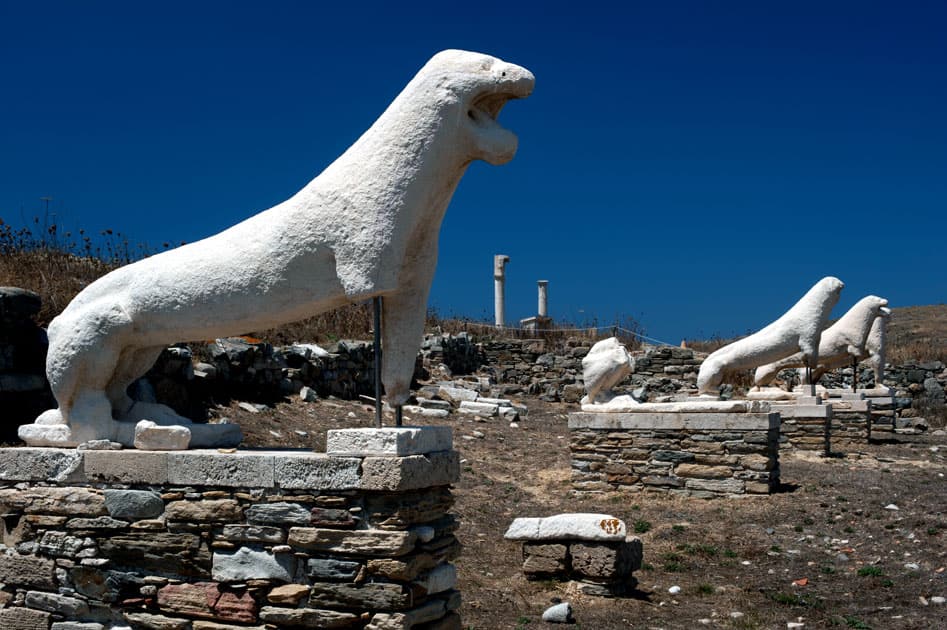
(587, 330)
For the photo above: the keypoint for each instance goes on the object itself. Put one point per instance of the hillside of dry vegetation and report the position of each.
(59, 265)
(918, 333)
(915, 333)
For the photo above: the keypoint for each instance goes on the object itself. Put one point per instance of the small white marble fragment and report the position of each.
(559, 613)
(151, 437)
(581, 526)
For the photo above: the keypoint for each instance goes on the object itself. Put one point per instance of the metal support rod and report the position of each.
(809, 378)
(376, 307)
(398, 416)
(854, 374)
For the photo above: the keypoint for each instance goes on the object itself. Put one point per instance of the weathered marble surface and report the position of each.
(798, 330)
(578, 526)
(367, 225)
(606, 364)
(842, 342)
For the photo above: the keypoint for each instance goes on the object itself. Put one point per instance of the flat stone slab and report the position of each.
(878, 392)
(289, 469)
(855, 405)
(676, 420)
(39, 464)
(397, 474)
(770, 393)
(874, 392)
(300, 470)
(582, 526)
(252, 564)
(211, 468)
(808, 400)
(805, 411)
(388, 441)
(695, 405)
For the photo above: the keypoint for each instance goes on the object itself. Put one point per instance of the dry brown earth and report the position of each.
(736, 560)
(918, 332)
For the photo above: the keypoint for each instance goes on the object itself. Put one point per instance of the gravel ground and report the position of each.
(853, 541)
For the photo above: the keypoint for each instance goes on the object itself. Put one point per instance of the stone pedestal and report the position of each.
(882, 409)
(804, 423)
(592, 550)
(851, 417)
(360, 538)
(699, 449)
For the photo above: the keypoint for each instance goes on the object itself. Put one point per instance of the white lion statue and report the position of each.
(841, 343)
(797, 330)
(367, 226)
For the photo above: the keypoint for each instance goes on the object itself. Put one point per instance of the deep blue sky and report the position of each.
(696, 165)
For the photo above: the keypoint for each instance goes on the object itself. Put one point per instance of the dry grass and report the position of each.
(726, 554)
(915, 333)
(706, 346)
(918, 333)
(59, 265)
(55, 276)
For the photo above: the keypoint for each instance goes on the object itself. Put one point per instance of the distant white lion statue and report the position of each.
(841, 343)
(798, 330)
(873, 352)
(876, 345)
(367, 226)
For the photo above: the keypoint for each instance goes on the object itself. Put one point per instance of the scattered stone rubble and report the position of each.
(251, 370)
(23, 390)
(201, 540)
(665, 370)
(592, 550)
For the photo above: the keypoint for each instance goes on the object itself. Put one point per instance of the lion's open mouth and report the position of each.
(485, 109)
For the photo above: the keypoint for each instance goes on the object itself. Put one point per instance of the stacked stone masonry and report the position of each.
(850, 420)
(803, 424)
(696, 454)
(592, 551)
(203, 540)
(23, 390)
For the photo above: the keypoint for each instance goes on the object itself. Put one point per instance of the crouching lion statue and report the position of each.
(366, 226)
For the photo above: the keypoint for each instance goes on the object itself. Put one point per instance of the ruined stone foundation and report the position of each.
(207, 540)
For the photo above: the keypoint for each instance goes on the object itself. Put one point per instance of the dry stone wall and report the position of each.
(189, 379)
(23, 389)
(202, 540)
(695, 454)
(252, 370)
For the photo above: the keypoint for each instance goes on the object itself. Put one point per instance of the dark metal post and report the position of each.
(854, 374)
(376, 307)
(398, 416)
(828, 437)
